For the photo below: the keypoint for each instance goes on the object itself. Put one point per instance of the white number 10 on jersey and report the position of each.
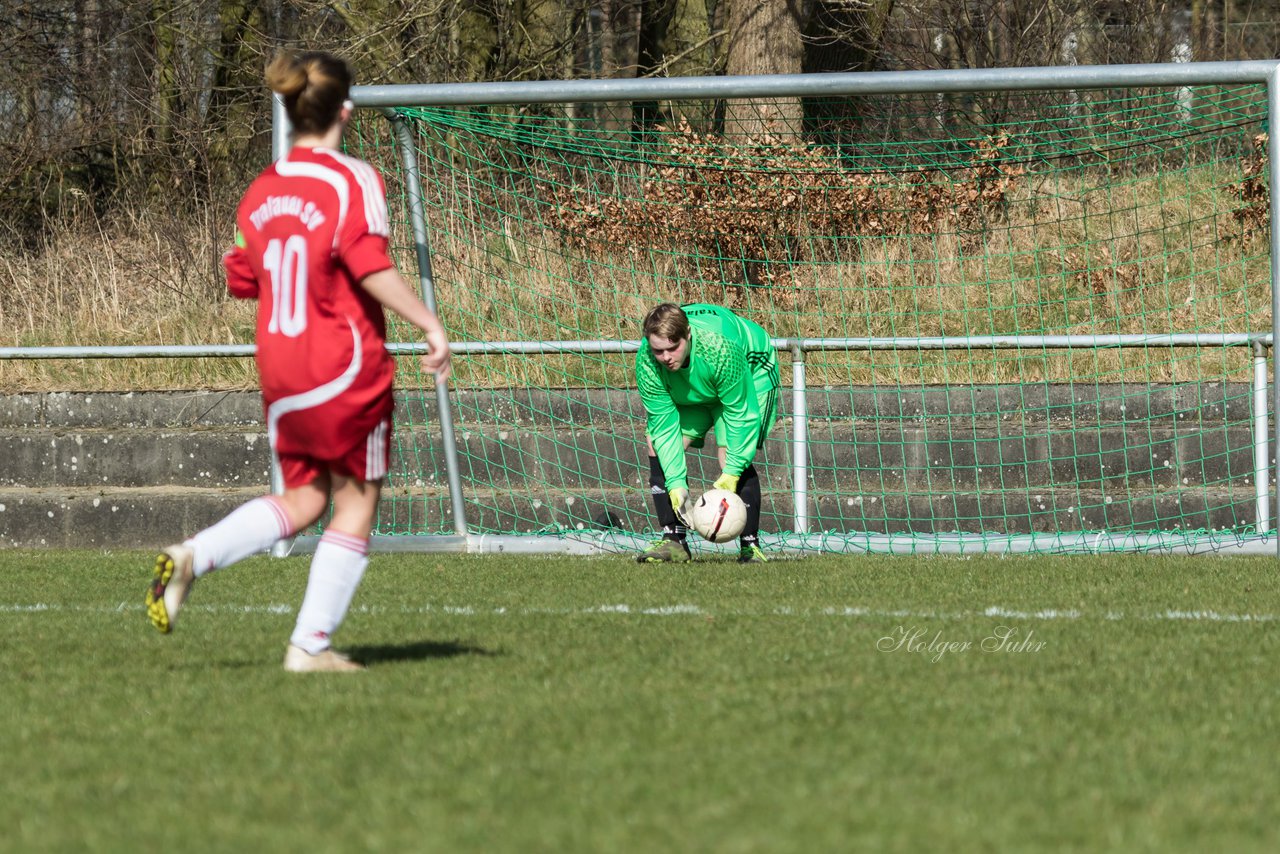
(287, 264)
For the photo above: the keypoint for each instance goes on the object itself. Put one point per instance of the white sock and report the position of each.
(252, 527)
(336, 570)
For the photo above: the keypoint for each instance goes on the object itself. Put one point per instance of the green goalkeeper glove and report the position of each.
(681, 504)
(727, 482)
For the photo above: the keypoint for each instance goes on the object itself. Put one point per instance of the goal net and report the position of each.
(1016, 321)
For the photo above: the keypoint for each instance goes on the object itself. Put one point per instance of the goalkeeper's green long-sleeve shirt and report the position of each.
(716, 375)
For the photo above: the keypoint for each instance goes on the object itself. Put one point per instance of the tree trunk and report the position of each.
(655, 18)
(842, 37)
(764, 38)
(611, 33)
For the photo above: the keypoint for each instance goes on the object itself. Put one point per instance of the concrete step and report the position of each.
(1212, 402)
(129, 518)
(134, 457)
(140, 470)
(846, 457)
(77, 517)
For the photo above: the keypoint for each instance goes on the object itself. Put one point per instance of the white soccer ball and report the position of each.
(719, 515)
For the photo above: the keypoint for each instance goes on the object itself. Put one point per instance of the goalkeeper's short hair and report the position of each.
(667, 320)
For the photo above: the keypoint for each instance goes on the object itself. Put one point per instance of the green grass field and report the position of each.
(557, 704)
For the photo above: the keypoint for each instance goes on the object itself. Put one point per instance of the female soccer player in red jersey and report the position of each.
(311, 247)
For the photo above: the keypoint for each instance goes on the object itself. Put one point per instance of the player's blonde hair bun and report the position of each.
(314, 86)
(286, 76)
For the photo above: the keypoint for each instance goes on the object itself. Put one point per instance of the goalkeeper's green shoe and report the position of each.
(665, 551)
(174, 574)
(751, 554)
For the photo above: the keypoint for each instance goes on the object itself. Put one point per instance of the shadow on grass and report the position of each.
(415, 651)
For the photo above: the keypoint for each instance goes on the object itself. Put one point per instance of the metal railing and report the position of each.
(798, 348)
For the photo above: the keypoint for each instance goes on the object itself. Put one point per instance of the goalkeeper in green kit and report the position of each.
(702, 367)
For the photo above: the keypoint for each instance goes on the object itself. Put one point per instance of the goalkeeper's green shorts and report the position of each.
(697, 421)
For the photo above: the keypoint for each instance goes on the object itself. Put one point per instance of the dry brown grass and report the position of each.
(138, 278)
(1059, 255)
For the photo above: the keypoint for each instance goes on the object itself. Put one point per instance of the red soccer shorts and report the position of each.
(366, 460)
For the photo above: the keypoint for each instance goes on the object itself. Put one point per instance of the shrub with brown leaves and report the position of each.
(770, 201)
(1254, 213)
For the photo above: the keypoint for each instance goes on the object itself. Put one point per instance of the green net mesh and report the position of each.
(887, 220)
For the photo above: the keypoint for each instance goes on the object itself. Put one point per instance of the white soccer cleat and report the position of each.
(298, 660)
(174, 575)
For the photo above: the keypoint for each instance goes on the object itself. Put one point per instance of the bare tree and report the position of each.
(161, 101)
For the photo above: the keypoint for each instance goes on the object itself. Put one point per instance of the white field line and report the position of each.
(842, 612)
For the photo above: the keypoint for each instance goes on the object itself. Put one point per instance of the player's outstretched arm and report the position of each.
(389, 288)
(240, 279)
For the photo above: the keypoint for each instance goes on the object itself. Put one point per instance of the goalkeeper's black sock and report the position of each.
(749, 492)
(671, 528)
